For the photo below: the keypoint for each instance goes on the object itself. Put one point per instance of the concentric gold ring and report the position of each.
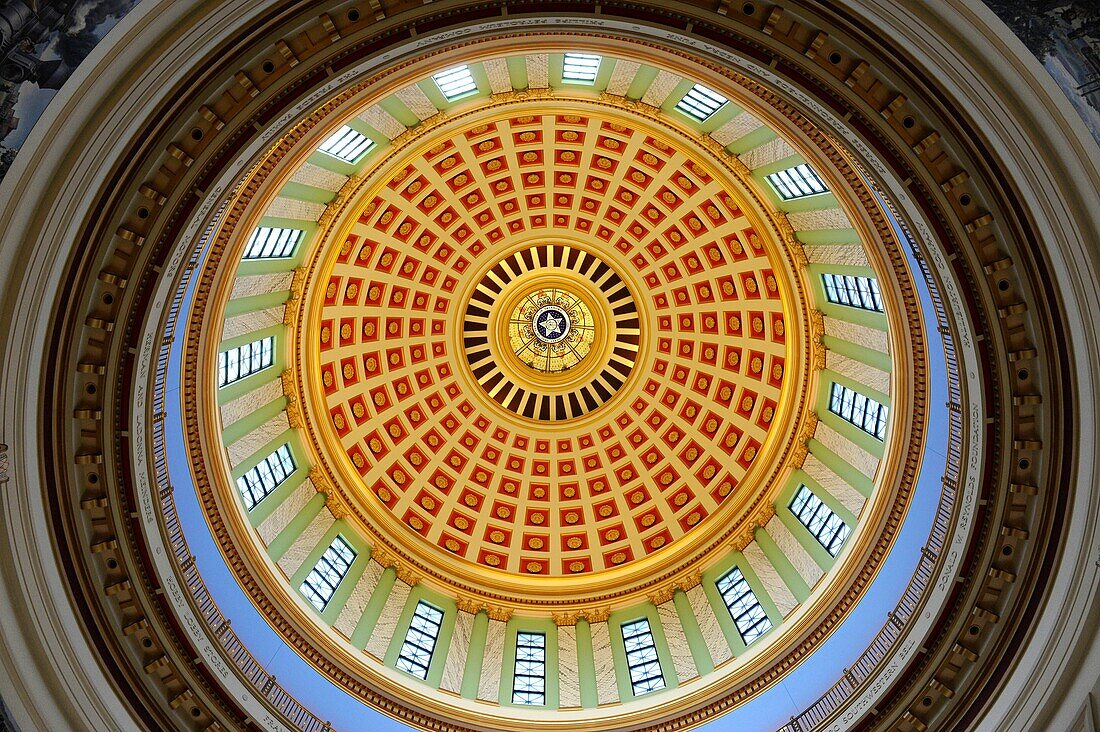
(551, 379)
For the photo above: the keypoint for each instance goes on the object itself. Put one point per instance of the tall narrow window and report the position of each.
(456, 82)
(828, 528)
(529, 679)
(269, 243)
(797, 182)
(862, 411)
(747, 612)
(258, 483)
(855, 292)
(700, 103)
(416, 652)
(580, 67)
(237, 363)
(326, 575)
(641, 658)
(346, 144)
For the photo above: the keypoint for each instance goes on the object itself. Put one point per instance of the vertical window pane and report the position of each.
(346, 144)
(269, 243)
(828, 528)
(321, 582)
(259, 482)
(862, 411)
(797, 182)
(455, 82)
(580, 67)
(747, 612)
(641, 657)
(855, 292)
(419, 645)
(529, 677)
(700, 103)
(237, 363)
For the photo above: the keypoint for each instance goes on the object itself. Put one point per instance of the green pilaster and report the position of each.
(373, 610)
(698, 645)
(294, 529)
(586, 665)
(863, 354)
(475, 659)
(783, 566)
(249, 422)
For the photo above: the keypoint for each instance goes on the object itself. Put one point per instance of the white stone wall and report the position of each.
(538, 76)
(793, 550)
(847, 450)
(568, 667)
(849, 255)
(622, 76)
(457, 653)
(489, 687)
(736, 128)
(382, 121)
(353, 609)
(766, 154)
(862, 335)
(417, 101)
(819, 220)
(248, 444)
(257, 320)
(858, 371)
(836, 486)
(774, 585)
(291, 208)
(663, 85)
(236, 410)
(386, 627)
(607, 689)
(708, 625)
(307, 541)
(261, 284)
(499, 79)
(682, 661)
(291, 506)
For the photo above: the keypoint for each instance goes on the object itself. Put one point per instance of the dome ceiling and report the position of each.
(557, 358)
(428, 352)
(533, 439)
